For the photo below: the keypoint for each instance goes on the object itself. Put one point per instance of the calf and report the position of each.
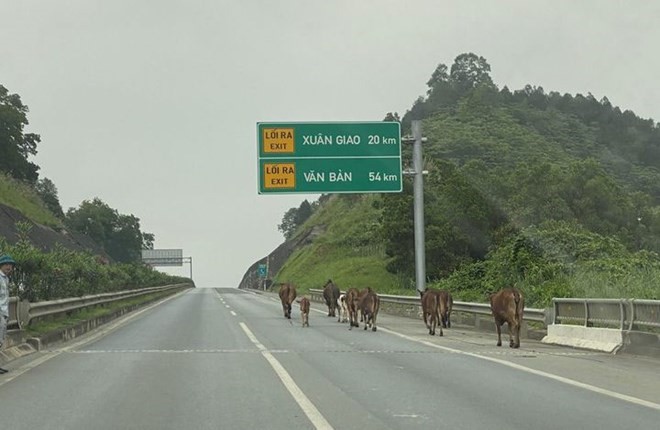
(446, 302)
(343, 308)
(369, 306)
(507, 306)
(287, 296)
(352, 303)
(304, 311)
(331, 295)
(430, 310)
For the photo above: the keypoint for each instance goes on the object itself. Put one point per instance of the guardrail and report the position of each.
(530, 314)
(22, 313)
(624, 314)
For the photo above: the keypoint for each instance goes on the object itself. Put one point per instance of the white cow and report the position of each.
(343, 308)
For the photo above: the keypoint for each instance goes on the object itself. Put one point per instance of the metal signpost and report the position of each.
(418, 190)
(329, 157)
(166, 257)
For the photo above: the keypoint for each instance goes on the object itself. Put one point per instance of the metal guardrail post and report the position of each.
(632, 314)
(586, 313)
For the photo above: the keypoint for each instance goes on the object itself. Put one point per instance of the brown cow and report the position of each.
(507, 306)
(304, 311)
(360, 295)
(287, 296)
(431, 310)
(352, 303)
(446, 302)
(331, 295)
(369, 306)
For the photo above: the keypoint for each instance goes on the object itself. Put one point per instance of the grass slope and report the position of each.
(348, 252)
(22, 198)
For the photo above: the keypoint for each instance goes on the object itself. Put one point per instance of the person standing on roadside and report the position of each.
(6, 267)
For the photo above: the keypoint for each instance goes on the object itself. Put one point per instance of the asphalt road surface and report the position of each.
(227, 359)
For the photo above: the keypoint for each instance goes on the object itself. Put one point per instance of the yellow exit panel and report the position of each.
(279, 140)
(279, 175)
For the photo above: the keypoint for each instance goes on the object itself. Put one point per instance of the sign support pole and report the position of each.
(418, 189)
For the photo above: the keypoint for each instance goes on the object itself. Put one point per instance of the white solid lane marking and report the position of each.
(303, 401)
(233, 313)
(568, 381)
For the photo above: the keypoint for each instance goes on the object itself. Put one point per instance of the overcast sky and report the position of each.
(151, 105)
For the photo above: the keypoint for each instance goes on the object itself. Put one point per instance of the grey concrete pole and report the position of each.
(418, 187)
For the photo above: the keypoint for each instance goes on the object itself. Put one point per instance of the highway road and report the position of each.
(227, 359)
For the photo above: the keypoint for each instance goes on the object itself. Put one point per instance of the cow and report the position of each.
(446, 302)
(352, 303)
(331, 294)
(369, 306)
(304, 311)
(343, 308)
(360, 295)
(507, 306)
(431, 310)
(287, 296)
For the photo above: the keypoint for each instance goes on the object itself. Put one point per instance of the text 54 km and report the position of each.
(384, 177)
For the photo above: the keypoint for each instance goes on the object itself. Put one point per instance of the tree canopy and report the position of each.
(16, 146)
(119, 234)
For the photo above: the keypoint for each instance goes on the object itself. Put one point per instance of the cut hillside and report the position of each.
(25, 200)
(557, 194)
(23, 214)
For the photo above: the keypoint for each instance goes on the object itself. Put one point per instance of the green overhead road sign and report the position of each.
(347, 157)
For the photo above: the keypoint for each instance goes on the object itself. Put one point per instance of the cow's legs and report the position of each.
(516, 332)
(499, 332)
(373, 322)
(512, 328)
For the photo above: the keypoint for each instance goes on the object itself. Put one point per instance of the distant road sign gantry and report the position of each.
(329, 157)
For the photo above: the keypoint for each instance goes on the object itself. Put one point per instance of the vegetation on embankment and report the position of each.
(346, 252)
(60, 273)
(557, 194)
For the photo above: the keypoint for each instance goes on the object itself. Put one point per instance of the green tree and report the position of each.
(294, 218)
(16, 145)
(47, 190)
(120, 235)
(470, 71)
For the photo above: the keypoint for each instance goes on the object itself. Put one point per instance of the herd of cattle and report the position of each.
(507, 305)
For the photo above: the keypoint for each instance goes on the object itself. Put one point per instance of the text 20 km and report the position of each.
(374, 139)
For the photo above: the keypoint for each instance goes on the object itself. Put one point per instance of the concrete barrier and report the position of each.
(599, 339)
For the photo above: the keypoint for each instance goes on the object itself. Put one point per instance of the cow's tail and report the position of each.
(517, 298)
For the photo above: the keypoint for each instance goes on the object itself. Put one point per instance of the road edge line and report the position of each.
(568, 381)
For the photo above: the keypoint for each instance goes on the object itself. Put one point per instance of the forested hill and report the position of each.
(556, 193)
